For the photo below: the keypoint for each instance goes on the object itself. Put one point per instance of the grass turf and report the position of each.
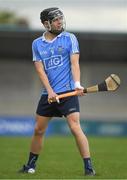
(60, 158)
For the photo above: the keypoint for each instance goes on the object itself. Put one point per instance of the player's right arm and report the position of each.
(41, 72)
(44, 79)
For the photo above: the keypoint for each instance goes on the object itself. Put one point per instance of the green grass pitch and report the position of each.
(60, 158)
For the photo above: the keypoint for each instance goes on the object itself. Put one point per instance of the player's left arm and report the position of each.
(75, 67)
(76, 72)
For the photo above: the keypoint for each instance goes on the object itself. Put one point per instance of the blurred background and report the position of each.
(101, 28)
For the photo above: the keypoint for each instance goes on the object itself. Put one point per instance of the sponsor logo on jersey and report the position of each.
(43, 52)
(53, 62)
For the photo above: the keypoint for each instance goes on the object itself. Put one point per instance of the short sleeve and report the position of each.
(36, 55)
(74, 44)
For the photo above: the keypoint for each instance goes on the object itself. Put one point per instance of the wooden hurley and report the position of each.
(111, 83)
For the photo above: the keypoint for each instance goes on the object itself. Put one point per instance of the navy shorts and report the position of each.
(67, 106)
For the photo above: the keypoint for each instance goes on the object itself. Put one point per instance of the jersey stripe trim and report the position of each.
(74, 43)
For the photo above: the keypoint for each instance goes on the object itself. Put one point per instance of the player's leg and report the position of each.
(81, 141)
(40, 128)
(36, 144)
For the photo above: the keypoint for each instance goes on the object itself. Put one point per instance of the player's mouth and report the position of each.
(59, 27)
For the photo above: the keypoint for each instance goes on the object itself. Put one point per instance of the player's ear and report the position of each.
(46, 25)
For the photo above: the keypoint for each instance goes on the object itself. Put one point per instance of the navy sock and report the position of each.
(32, 160)
(87, 163)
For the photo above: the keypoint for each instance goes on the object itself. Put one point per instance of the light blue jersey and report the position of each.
(55, 56)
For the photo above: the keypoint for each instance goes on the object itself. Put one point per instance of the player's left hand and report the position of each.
(79, 88)
(80, 92)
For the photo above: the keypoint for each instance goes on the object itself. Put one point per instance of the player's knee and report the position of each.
(39, 132)
(75, 128)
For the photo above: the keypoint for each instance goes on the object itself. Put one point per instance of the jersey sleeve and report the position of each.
(74, 48)
(36, 55)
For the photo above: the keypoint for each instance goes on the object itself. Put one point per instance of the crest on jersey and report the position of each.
(60, 49)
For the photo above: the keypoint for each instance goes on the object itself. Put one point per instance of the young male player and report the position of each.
(56, 59)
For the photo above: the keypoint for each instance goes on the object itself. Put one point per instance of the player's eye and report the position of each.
(58, 19)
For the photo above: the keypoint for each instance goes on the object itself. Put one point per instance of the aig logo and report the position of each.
(53, 62)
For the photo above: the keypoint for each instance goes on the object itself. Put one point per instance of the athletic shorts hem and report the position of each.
(43, 115)
(50, 116)
(70, 113)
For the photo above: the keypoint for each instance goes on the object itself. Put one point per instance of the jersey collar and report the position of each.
(43, 37)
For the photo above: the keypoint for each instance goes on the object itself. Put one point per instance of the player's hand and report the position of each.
(52, 96)
(80, 92)
(79, 88)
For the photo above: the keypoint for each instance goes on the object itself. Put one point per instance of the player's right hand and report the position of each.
(52, 96)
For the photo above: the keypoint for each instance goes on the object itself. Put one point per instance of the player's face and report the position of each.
(57, 24)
